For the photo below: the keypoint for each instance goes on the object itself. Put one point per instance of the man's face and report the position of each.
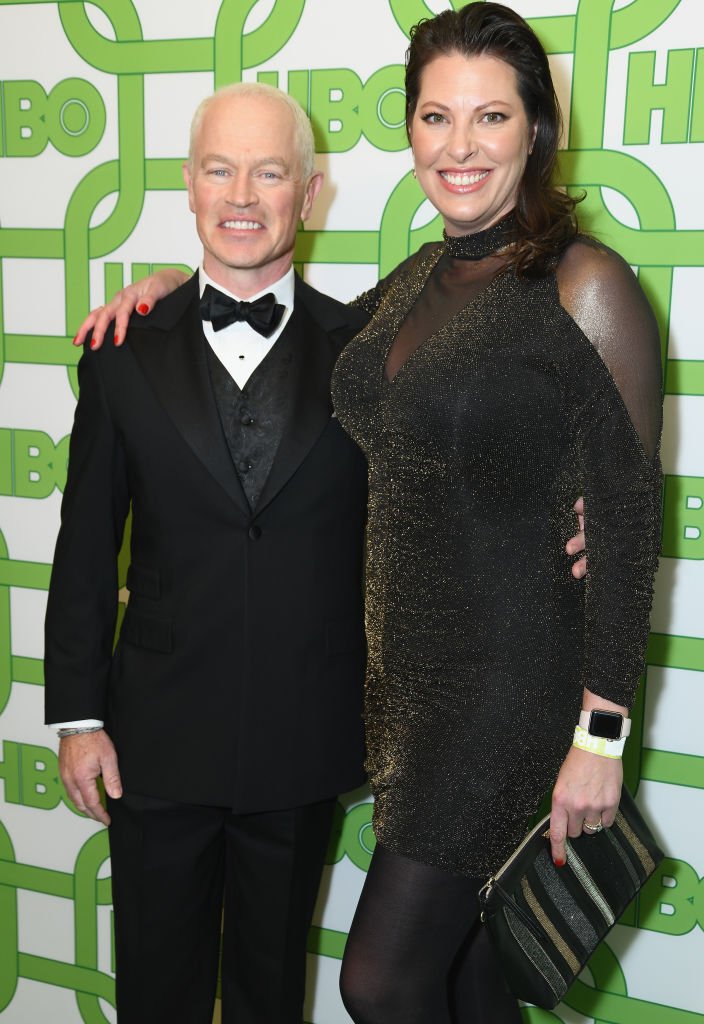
(246, 189)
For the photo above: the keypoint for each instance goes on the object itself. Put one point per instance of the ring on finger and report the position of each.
(593, 828)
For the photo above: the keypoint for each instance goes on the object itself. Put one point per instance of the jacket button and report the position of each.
(246, 419)
(255, 532)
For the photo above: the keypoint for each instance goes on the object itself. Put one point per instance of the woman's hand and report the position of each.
(575, 545)
(588, 789)
(142, 295)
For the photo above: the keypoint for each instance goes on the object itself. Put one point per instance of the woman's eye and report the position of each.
(494, 117)
(433, 118)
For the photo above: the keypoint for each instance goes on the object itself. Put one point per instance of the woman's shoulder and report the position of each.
(602, 295)
(411, 262)
(370, 301)
(596, 285)
(586, 259)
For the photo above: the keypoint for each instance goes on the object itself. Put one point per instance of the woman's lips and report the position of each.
(463, 181)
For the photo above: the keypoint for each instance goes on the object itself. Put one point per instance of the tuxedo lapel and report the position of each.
(310, 406)
(172, 356)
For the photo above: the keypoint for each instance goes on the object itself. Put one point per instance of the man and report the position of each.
(231, 705)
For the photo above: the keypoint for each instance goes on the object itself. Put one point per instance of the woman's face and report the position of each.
(471, 139)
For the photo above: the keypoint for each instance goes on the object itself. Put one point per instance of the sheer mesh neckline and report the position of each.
(482, 243)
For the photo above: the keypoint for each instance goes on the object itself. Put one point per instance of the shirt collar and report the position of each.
(283, 288)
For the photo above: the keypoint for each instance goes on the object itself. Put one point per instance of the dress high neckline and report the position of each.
(482, 243)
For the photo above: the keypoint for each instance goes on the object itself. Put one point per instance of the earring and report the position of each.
(413, 172)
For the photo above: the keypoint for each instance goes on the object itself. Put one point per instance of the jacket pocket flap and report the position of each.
(148, 631)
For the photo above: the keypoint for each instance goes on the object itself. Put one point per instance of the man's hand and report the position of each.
(576, 544)
(588, 788)
(82, 758)
(142, 295)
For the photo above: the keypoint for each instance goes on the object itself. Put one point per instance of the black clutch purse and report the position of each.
(544, 921)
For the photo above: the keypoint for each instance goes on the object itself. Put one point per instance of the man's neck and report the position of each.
(247, 281)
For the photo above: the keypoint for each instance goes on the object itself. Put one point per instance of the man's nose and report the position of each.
(241, 191)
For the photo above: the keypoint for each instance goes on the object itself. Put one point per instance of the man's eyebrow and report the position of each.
(219, 158)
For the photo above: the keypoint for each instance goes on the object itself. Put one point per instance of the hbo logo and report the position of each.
(71, 117)
(343, 108)
(31, 465)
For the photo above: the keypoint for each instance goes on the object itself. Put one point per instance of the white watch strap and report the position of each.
(584, 717)
(597, 744)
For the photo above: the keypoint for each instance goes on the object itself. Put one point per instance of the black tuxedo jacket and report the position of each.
(237, 677)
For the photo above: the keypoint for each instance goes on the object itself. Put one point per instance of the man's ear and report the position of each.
(312, 190)
(186, 170)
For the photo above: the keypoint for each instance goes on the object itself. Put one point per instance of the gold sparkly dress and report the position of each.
(486, 404)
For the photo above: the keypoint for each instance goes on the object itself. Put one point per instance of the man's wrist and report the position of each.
(77, 730)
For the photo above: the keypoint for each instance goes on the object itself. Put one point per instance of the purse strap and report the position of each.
(509, 901)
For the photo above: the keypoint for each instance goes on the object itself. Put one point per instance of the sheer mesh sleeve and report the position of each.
(602, 295)
(617, 430)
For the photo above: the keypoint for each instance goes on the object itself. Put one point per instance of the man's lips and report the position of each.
(464, 180)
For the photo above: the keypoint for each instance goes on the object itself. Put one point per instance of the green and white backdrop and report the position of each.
(95, 102)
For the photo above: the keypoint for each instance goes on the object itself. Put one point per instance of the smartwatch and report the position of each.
(609, 725)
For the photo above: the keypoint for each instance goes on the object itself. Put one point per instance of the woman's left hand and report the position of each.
(588, 789)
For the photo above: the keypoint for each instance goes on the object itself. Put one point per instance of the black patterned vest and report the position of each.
(253, 417)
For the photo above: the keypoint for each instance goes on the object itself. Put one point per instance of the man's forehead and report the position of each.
(258, 126)
(248, 112)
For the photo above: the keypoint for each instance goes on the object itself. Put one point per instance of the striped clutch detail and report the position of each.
(545, 921)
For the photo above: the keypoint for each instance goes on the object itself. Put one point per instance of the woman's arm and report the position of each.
(145, 293)
(617, 427)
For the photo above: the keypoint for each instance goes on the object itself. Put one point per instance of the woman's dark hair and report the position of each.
(545, 216)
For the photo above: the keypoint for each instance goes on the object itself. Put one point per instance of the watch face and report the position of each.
(607, 724)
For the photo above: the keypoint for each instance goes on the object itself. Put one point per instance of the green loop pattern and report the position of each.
(590, 33)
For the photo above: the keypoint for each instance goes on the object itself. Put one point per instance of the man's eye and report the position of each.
(218, 172)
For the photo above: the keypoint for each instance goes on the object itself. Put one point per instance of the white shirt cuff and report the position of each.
(86, 723)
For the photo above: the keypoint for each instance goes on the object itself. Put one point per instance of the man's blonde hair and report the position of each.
(303, 132)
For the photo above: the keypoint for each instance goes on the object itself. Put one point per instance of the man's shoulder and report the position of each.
(169, 310)
(330, 314)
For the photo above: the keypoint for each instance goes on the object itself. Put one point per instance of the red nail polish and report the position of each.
(75, 340)
(116, 339)
(558, 863)
(93, 343)
(143, 308)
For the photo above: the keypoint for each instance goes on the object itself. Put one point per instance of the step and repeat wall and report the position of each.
(95, 104)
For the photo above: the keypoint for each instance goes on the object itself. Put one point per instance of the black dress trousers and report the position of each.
(174, 868)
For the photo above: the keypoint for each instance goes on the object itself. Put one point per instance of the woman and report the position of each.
(513, 364)
(502, 371)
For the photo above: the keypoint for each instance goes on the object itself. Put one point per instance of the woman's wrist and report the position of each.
(599, 745)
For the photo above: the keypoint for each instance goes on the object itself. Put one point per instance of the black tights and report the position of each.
(416, 953)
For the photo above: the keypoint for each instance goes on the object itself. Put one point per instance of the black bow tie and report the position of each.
(264, 314)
